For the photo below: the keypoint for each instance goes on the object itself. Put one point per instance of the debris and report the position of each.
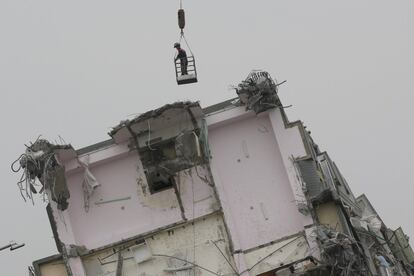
(39, 162)
(258, 92)
(341, 252)
(310, 224)
(165, 151)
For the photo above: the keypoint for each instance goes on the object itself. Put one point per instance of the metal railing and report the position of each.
(191, 67)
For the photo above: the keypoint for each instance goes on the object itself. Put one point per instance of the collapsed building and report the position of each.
(231, 189)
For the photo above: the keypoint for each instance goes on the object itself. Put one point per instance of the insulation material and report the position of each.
(89, 183)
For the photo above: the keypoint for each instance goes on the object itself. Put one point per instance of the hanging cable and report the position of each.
(181, 25)
(187, 61)
(185, 40)
(224, 256)
(194, 264)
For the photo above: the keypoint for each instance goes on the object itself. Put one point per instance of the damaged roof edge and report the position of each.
(94, 147)
(219, 106)
(109, 142)
(207, 110)
(152, 114)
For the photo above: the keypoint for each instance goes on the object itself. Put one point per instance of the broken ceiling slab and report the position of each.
(159, 123)
(120, 130)
(169, 139)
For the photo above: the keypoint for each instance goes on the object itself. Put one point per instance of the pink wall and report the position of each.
(252, 181)
(114, 221)
(143, 212)
(255, 181)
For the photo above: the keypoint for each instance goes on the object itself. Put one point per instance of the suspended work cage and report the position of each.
(188, 74)
(185, 65)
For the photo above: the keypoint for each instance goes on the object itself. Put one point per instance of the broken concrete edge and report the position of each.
(95, 147)
(53, 225)
(153, 114)
(72, 251)
(110, 142)
(180, 201)
(82, 251)
(125, 244)
(61, 247)
(225, 220)
(365, 198)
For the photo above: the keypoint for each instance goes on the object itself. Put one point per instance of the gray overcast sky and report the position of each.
(76, 68)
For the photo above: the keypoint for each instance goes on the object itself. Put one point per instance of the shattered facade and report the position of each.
(232, 189)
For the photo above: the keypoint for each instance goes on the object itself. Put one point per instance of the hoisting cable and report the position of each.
(186, 43)
(181, 25)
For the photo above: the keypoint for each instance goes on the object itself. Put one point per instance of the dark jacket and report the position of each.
(182, 55)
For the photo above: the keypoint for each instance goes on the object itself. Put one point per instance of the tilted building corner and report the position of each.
(232, 189)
